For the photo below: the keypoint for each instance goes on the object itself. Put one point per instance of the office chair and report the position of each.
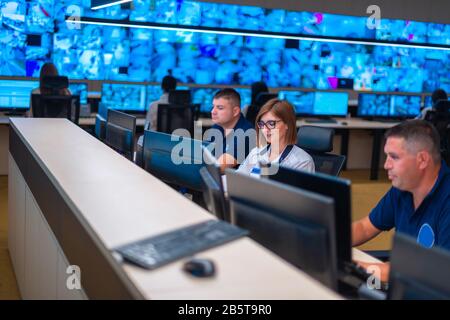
(180, 97)
(56, 105)
(318, 142)
(174, 116)
(120, 132)
(439, 116)
(261, 100)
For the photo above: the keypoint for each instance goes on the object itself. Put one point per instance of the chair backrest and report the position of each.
(318, 141)
(56, 106)
(315, 139)
(172, 117)
(181, 97)
(120, 132)
(328, 163)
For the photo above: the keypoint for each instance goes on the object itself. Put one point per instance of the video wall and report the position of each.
(33, 32)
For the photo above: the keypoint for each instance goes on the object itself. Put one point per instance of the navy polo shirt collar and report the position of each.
(443, 172)
(240, 124)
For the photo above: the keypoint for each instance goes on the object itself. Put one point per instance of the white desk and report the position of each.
(105, 201)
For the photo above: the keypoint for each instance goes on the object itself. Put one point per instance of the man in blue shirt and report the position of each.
(232, 134)
(418, 204)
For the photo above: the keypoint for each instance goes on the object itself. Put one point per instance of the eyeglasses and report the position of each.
(270, 124)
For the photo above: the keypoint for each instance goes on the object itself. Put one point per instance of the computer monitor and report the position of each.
(174, 159)
(213, 193)
(124, 97)
(296, 224)
(120, 132)
(15, 94)
(302, 101)
(336, 188)
(388, 106)
(418, 273)
(330, 104)
(79, 89)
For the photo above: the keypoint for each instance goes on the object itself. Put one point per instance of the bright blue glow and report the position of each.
(388, 106)
(330, 104)
(28, 39)
(16, 94)
(79, 89)
(302, 101)
(124, 97)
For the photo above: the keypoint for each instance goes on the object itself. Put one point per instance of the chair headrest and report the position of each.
(182, 97)
(55, 82)
(315, 139)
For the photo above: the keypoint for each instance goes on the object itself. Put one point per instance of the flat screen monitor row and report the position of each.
(15, 94)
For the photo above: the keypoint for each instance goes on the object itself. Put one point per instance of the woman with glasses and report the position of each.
(276, 138)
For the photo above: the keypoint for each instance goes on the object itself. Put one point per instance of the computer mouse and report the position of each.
(200, 268)
(344, 123)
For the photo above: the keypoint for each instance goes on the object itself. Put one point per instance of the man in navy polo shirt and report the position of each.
(233, 135)
(418, 204)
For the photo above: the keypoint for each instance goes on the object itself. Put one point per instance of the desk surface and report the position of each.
(120, 203)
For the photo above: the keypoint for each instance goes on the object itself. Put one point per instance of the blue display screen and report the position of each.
(303, 102)
(124, 97)
(388, 106)
(330, 104)
(16, 94)
(34, 32)
(79, 89)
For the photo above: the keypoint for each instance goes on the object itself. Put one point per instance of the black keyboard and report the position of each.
(159, 250)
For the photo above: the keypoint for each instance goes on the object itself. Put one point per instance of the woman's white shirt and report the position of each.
(297, 159)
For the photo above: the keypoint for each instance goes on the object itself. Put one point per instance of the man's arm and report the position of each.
(362, 231)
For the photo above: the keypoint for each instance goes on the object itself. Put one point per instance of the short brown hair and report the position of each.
(283, 110)
(418, 132)
(229, 94)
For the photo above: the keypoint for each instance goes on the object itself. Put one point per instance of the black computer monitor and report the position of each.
(418, 273)
(333, 187)
(213, 193)
(296, 224)
(120, 132)
(174, 159)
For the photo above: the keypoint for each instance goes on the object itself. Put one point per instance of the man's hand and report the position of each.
(379, 270)
(226, 161)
